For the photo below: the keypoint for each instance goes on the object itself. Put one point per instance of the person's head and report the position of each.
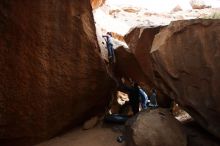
(135, 84)
(109, 33)
(154, 91)
(131, 81)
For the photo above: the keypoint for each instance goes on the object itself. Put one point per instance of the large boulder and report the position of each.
(186, 57)
(127, 66)
(52, 75)
(140, 40)
(155, 128)
(136, 61)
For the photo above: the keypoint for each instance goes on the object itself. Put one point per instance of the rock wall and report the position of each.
(186, 57)
(52, 75)
(127, 66)
(182, 61)
(140, 40)
(136, 62)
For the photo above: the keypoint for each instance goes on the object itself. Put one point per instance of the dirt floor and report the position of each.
(98, 136)
(106, 134)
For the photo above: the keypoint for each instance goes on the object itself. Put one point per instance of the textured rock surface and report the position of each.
(186, 58)
(90, 123)
(51, 72)
(137, 63)
(155, 128)
(127, 66)
(197, 136)
(97, 3)
(140, 41)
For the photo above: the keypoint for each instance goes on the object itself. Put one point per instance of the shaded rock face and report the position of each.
(155, 128)
(140, 41)
(90, 123)
(51, 72)
(186, 58)
(136, 62)
(127, 66)
(197, 136)
(97, 3)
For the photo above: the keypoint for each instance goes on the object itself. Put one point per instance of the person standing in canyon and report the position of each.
(153, 100)
(109, 46)
(144, 98)
(133, 94)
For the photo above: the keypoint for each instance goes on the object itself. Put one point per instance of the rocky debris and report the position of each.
(90, 123)
(52, 75)
(180, 114)
(131, 9)
(120, 16)
(155, 128)
(184, 117)
(186, 57)
(198, 4)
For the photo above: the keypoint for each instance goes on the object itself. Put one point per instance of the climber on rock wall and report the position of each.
(109, 46)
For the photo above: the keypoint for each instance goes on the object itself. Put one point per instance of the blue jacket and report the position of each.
(143, 95)
(144, 98)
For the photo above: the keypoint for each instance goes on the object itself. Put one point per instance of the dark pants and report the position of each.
(134, 107)
(111, 54)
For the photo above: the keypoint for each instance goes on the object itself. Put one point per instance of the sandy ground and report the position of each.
(97, 136)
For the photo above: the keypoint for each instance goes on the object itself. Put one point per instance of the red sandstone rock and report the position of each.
(117, 36)
(155, 128)
(137, 63)
(52, 75)
(186, 58)
(139, 41)
(127, 66)
(97, 3)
